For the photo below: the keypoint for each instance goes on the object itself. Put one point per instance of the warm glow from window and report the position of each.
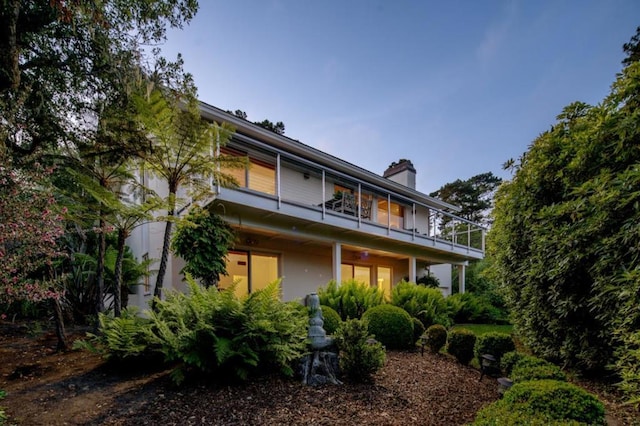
(397, 214)
(384, 281)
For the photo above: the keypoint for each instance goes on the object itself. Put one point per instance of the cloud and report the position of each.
(496, 35)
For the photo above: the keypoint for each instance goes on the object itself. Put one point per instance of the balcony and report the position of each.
(288, 193)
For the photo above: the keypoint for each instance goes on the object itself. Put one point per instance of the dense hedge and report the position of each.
(436, 337)
(543, 402)
(426, 304)
(494, 343)
(391, 326)
(331, 319)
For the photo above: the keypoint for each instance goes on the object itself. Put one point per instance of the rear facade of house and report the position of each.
(308, 217)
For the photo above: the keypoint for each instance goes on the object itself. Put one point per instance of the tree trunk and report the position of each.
(157, 292)
(9, 49)
(102, 249)
(117, 299)
(59, 323)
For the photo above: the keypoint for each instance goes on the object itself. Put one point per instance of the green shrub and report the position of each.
(436, 338)
(509, 360)
(351, 299)
(628, 366)
(213, 332)
(126, 338)
(494, 343)
(531, 368)
(461, 344)
(558, 400)
(3, 415)
(426, 304)
(331, 319)
(418, 329)
(502, 413)
(391, 326)
(360, 357)
(468, 308)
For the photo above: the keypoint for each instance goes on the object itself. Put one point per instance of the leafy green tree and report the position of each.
(632, 49)
(474, 195)
(565, 237)
(203, 240)
(183, 153)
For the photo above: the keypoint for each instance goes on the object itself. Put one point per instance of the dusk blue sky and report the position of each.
(457, 87)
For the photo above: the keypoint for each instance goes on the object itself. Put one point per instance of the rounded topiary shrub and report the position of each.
(504, 413)
(391, 326)
(558, 400)
(531, 368)
(418, 329)
(436, 338)
(331, 319)
(461, 344)
(494, 343)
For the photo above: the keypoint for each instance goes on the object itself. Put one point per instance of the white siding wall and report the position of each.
(295, 187)
(443, 273)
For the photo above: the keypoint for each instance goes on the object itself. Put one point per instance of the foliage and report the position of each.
(360, 356)
(628, 364)
(436, 337)
(213, 332)
(426, 304)
(474, 196)
(331, 318)
(524, 371)
(632, 49)
(501, 413)
(564, 240)
(428, 280)
(31, 224)
(460, 344)
(557, 399)
(3, 416)
(496, 344)
(59, 59)
(509, 360)
(277, 128)
(418, 329)
(203, 240)
(479, 329)
(121, 339)
(181, 155)
(467, 308)
(391, 326)
(351, 299)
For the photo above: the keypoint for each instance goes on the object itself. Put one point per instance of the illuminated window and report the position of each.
(384, 281)
(356, 272)
(396, 211)
(258, 175)
(249, 271)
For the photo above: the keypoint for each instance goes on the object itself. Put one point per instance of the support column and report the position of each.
(413, 275)
(461, 277)
(336, 260)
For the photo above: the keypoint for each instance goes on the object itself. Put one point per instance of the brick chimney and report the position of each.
(402, 172)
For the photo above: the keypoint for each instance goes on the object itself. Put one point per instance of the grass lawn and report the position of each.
(479, 329)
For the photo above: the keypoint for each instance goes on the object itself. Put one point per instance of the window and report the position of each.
(258, 175)
(384, 281)
(396, 211)
(356, 272)
(249, 271)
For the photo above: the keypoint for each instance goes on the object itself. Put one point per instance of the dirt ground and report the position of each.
(77, 388)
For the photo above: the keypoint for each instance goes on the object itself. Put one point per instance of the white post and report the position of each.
(337, 262)
(413, 274)
(461, 278)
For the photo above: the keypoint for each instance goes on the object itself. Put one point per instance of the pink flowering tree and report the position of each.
(30, 226)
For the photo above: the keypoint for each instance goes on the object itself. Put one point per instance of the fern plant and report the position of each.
(351, 299)
(426, 304)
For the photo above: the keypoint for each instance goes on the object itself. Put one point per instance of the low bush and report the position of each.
(502, 413)
(360, 357)
(436, 338)
(391, 326)
(331, 319)
(213, 332)
(127, 338)
(509, 360)
(461, 343)
(558, 400)
(418, 329)
(351, 299)
(426, 304)
(525, 369)
(494, 343)
(628, 366)
(468, 308)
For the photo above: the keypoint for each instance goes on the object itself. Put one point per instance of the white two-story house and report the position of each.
(308, 217)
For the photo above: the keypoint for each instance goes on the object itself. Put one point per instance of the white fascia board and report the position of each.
(298, 148)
